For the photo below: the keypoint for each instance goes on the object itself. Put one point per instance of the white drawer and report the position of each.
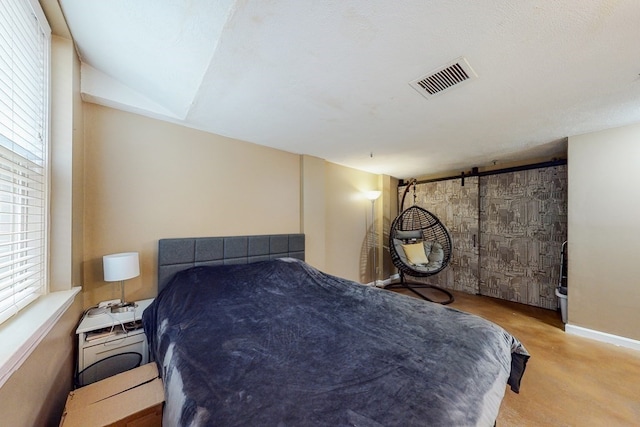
(94, 351)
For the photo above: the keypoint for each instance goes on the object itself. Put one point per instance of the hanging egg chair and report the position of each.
(420, 246)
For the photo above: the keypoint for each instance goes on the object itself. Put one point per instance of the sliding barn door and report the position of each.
(523, 222)
(456, 205)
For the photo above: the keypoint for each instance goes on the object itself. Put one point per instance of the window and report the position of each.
(24, 134)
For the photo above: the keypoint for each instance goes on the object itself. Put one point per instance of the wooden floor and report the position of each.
(569, 380)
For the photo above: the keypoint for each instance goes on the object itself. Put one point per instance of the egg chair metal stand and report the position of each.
(416, 225)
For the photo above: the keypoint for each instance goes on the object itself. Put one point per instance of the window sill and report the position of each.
(22, 334)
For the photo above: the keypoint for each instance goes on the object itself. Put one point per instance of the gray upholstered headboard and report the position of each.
(178, 254)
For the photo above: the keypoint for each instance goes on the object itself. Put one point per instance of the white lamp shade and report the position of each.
(121, 266)
(373, 194)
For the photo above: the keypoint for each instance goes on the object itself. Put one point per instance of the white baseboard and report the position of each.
(602, 336)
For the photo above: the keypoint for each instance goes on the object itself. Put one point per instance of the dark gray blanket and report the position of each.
(279, 343)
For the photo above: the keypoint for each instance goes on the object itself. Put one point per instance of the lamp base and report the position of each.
(123, 307)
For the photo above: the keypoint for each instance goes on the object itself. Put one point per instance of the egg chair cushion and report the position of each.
(415, 253)
(433, 255)
(434, 252)
(408, 235)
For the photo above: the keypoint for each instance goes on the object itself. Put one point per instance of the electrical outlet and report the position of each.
(109, 303)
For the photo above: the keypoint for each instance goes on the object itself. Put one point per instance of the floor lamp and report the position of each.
(373, 196)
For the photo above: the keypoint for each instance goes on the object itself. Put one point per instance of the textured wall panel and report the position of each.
(523, 222)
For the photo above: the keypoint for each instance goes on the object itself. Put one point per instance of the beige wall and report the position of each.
(604, 204)
(336, 219)
(313, 196)
(35, 394)
(147, 179)
(389, 211)
(348, 221)
(67, 165)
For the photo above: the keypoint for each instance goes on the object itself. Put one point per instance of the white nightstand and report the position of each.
(102, 335)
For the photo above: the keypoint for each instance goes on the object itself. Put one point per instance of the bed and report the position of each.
(245, 333)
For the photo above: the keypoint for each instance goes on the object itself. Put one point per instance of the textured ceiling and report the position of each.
(331, 78)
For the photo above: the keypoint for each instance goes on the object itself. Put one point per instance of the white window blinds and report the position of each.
(24, 110)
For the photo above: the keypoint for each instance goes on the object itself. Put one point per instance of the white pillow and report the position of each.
(415, 253)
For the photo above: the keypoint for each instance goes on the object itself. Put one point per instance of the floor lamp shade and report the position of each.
(373, 194)
(122, 266)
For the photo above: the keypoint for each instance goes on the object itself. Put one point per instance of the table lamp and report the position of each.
(121, 267)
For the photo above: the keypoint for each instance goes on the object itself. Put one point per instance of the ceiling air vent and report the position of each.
(444, 78)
